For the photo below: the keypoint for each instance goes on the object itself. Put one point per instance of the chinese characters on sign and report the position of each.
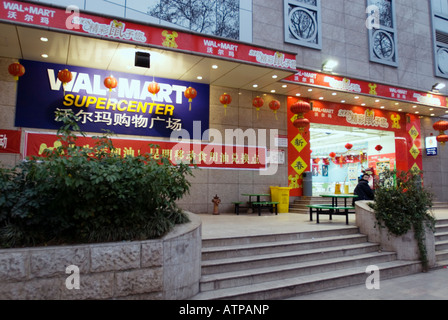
(10, 141)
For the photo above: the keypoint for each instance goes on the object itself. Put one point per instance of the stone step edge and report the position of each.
(273, 244)
(259, 238)
(291, 266)
(298, 281)
(218, 262)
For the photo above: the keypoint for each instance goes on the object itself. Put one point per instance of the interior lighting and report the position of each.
(44, 55)
(43, 39)
(214, 66)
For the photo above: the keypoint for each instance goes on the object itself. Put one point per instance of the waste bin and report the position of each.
(283, 199)
(274, 194)
(307, 184)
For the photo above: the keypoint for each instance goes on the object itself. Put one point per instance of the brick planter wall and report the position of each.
(168, 268)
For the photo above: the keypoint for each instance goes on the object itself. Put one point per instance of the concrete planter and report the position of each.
(405, 246)
(168, 268)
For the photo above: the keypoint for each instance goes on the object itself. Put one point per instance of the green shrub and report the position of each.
(402, 203)
(81, 195)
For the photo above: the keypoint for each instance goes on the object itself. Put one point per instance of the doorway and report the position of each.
(339, 155)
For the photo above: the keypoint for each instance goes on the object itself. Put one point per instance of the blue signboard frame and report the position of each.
(128, 109)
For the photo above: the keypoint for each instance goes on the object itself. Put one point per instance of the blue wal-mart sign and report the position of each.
(128, 109)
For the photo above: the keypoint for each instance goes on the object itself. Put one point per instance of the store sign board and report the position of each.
(366, 88)
(10, 141)
(209, 156)
(98, 26)
(431, 146)
(128, 109)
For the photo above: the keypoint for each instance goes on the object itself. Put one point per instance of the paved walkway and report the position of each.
(432, 285)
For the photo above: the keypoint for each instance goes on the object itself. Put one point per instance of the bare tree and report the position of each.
(219, 17)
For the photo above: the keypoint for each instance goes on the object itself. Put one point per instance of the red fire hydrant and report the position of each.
(216, 201)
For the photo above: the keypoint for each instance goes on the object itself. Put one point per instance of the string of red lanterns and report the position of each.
(441, 126)
(300, 108)
(153, 88)
(110, 83)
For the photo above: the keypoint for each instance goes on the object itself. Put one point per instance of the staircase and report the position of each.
(441, 242)
(279, 266)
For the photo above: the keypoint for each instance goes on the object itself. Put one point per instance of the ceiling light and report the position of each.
(342, 101)
(329, 65)
(438, 86)
(199, 78)
(321, 98)
(356, 97)
(274, 76)
(285, 86)
(255, 86)
(377, 100)
(298, 94)
(214, 66)
(414, 107)
(334, 94)
(272, 91)
(363, 104)
(43, 39)
(432, 114)
(416, 112)
(44, 55)
(382, 107)
(400, 109)
(309, 90)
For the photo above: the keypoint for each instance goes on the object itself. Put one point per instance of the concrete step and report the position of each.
(279, 272)
(440, 236)
(441, 227)
(282, 258)
(243, 240)
(289, 287)
(441, 245)
(244, 250)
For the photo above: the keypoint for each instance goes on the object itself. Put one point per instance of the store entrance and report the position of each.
(339, 154)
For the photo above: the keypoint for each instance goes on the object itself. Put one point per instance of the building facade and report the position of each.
(374, 108)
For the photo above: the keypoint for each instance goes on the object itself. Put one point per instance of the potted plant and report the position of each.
(402, 203)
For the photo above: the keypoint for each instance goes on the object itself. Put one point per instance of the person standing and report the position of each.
(363, 190)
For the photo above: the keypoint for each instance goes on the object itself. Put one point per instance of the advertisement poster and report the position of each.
(128, 109)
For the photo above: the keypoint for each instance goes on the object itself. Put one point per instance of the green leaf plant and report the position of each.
(402, 203)
(76, 194)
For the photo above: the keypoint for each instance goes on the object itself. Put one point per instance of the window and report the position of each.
(439, 10)
(303, 23)
(382, 37)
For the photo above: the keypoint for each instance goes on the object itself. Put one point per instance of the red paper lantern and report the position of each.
(65, 76)
(440, 126)
(443, 138)
(110, 83)
(348, 146)
(190, 94)
(153, 88)
(274, 105)
(332, 154)
(301, 124)
(316, 160)
(225, 99)
(300, 108)
(379, 148)
(257, 102)
(16, 70)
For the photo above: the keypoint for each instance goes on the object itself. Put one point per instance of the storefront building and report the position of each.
(226, 88)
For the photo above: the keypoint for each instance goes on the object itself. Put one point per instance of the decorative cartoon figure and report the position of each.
(170, 39)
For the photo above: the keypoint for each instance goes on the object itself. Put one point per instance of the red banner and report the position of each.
(97, 26)
(10, 141)
(366, 88)
(203, 155)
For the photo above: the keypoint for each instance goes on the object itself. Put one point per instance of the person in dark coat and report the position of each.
(363, 190)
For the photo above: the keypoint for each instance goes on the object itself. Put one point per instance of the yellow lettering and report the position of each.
(80, 104)
(119, 107)
(100, 103)
(169, 109)
(111, 104)
(131, 106)
(68, 100)
(159, 109)
(141, 108)
(90, 100)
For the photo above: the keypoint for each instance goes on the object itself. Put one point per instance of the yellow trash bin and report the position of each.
(274, 194)
(283, 199)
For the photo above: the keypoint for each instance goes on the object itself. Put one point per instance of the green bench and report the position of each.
(330, 210)
(272, 205)
(238, 206)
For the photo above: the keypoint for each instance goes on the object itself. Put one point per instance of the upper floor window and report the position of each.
(383, 34)
(439, 10)
(303, 23)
